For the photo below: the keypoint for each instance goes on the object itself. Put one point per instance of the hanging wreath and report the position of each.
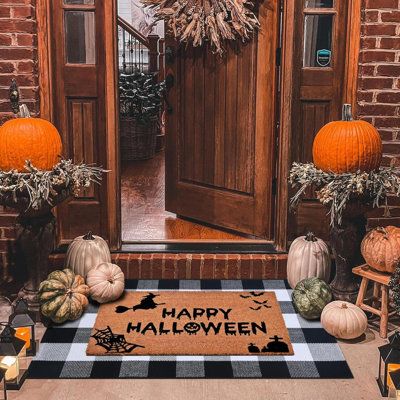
(198, 21)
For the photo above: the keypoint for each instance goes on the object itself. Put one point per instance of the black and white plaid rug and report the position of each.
(62, 353)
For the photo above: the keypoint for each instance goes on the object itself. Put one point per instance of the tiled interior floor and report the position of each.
(143, 207)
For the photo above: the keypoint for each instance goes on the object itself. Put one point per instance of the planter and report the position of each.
(138, 140)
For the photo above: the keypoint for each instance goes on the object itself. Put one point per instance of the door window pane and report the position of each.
(80, 37)
(86, 2)
(319, 3)
(318, 41)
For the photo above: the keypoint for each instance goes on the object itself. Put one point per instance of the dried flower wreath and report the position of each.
(199, 21)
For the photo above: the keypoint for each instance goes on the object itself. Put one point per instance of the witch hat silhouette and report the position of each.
(147, 303)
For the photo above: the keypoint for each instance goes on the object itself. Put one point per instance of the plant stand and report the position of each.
(345, 240)
(35, 241)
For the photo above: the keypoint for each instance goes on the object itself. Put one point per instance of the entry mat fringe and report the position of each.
(62, 353)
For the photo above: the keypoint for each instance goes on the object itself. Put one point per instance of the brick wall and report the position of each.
(18, 53)
(379, 83)
(18, 59)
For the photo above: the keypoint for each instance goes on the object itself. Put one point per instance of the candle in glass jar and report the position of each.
(24, 333)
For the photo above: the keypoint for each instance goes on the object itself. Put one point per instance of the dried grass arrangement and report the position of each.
(41, 186)
(336, 190)
(198, 21)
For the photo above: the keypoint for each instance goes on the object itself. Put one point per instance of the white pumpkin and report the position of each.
(344, 320)
(106, 282)
(308, 258)
(87, 252)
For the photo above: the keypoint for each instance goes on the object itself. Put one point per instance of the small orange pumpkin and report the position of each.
(347, 145)
(381, 248)
(27, 138)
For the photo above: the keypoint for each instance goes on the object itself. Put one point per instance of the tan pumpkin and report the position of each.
(344, 320)
(308, 257)
(63, 296)
(381, 248)
(27, 138)
(347, 145)
(86, 252)
(106, 282)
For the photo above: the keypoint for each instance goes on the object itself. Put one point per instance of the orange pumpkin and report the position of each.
(347, 146)
(26, 138)
(381, 248)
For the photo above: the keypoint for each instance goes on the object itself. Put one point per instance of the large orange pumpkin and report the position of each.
(381, 248)
(347, 146)
(26, 138)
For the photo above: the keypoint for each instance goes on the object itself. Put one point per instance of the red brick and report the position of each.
(17, 26)
(145, 266)
(134, 268)
(5, 12)
(233, 266)
(391, 43)
(23, 12)
(376, 83)
(269, 267)
(257, 266)
(391, 16)
(377, 109)
(379, 30)
(5, 39)
(26, 39)
(389, 70)
(368, 43)
(170, 261)
(378, 4)
(365, 96)
(157, 266)
(196, 266)
(6, 68)
(281, 267)
(245, 266)
(387, 122)
(378, 56)
(207, 271)
(221, 266)
(371, 16)
(389, 97)
(183, 263)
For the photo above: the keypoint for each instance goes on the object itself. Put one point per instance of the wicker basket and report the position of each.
(138, 141)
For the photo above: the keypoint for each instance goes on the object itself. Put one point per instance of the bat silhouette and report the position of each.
(256, 308)
(257, 294)
(263, 303)
(244, 297)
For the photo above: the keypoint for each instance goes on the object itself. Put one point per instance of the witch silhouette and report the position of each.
(147, 303)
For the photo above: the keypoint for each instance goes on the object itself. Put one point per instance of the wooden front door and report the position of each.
(221, 131)
(83, 89)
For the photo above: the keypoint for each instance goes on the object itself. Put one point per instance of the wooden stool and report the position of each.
(381, 284)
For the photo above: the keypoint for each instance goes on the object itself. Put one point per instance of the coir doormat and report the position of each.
(317, 355)
(196, 323)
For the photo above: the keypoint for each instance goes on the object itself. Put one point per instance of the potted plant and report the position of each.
(141, 102)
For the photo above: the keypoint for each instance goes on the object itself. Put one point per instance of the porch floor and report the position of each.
(362, 358)
(143, 207)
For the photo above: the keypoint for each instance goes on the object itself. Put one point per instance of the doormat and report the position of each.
(196, 323)
(317, 355)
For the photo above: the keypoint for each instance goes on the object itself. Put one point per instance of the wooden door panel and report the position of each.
(317, 97)
(220, 136)
(79, 76)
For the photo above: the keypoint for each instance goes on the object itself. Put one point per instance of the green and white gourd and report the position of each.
(308, 257)
(310, 297)
(87, 252)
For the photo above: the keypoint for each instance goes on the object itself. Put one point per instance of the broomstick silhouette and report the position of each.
(147, 303)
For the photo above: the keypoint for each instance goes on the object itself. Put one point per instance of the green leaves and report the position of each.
(141, 96)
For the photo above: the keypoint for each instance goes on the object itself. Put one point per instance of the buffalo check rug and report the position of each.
(62, 353)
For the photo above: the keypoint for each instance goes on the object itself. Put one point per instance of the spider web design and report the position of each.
(113, 343)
